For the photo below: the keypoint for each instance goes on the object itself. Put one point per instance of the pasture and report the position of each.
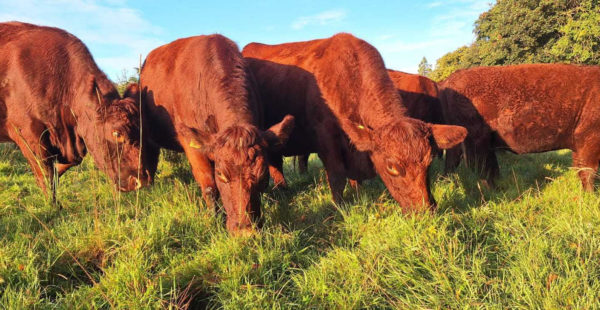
(532, 242)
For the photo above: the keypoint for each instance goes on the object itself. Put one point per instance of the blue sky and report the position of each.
(118, 31)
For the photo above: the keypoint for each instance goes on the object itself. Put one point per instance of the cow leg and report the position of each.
(587, 163)
(490, 167)
(37, 156)
(151, 155)
(453, 156)
(303, 163)
(336, 173)
(204, 174)
(481, 155)
(276, 171)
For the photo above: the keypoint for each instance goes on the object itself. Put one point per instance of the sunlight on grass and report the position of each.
(530, 243)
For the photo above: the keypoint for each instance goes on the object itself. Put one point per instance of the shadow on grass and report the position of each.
(459, 191)
(519, 174)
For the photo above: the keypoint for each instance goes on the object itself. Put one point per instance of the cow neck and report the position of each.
(87, 107)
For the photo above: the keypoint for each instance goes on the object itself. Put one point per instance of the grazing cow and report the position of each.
(200, 99)
(338, 89)
(525, 109)
(420, 97)
(55, 104)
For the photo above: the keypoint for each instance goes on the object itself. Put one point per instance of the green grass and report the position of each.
(533, 242)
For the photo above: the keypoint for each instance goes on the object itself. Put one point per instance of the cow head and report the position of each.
(401, 154)
(113, 137)
(239, 153)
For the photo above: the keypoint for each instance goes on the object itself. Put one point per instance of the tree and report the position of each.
(459, 59)
(424, 67)
(530, 31)
(125, 78)
(580, 36)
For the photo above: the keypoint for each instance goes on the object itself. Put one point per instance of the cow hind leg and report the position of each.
(303, 163)
(587, 165)
(489, 167)
(453, 156)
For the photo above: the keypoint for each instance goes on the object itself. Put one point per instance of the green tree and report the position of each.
(530, 31)
(459, 59)
(126, 78)
(424, 67)
(580, 36)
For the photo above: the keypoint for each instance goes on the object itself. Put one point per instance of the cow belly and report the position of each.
(530, 135)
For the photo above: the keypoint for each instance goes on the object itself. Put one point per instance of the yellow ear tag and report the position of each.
(361, 127)
(195, 144)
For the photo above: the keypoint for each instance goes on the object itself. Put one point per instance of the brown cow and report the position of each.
(201, 100)
(55, 104)
(419, 95)
(338, 88)
(526, 109)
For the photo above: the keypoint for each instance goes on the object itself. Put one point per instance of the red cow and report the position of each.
(338, 89)
(525, 109)
(420, 97)
(201, 99)
(55, 104)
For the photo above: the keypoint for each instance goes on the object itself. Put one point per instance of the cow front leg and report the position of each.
(336, 174)
(276, 171)
(37, 156)
(203, 172)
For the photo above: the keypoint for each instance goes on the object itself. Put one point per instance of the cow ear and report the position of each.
(200, 140)
(360, 136)
(93, 88)
(278, 135)
(447, 136)
(132, 91)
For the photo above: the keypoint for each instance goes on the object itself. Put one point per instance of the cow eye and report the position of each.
(394, 169)
(118, 136)
(222, 177)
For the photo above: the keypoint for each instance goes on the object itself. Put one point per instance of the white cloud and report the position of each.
(434, 4)
(121, 33)
(323, 18)
(448, 30)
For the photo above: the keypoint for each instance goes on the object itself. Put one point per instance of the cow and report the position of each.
(419, 95)
(344, 102)
(199, 98)
(525, 109)
(56, 105)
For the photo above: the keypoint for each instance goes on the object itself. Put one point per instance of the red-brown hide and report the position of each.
(338, 89)
(526, 109)
(200, 99)
(56, 105)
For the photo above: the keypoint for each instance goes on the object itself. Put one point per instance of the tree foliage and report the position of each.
(425, 67)
(530, 31)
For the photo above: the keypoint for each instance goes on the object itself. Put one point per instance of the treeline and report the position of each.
(529, 31)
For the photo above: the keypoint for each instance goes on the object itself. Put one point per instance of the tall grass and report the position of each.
(533, 242)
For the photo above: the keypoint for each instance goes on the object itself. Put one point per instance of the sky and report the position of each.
(117, 32)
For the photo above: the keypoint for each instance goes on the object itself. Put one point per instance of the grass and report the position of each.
(533, 242)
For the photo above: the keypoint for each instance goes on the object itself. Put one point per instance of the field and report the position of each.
(532, 242)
